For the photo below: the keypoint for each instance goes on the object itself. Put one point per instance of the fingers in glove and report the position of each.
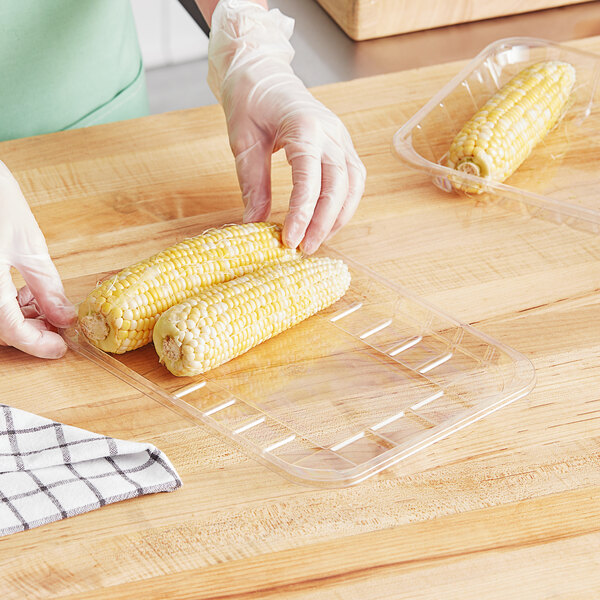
(29, 306)
(306, 179)
(253, 168)
(29, 335)
(44, 284)
(25, 296)
(356, 188)
(30, 311)
(334, 191)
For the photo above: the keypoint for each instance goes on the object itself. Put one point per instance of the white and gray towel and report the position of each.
(50, 471)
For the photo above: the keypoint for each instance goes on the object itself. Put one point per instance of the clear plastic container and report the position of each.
(371, 380)
(560, 180)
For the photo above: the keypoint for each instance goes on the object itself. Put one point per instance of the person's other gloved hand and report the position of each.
(268, 108)
(27, 316)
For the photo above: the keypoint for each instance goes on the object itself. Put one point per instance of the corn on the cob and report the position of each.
(228, 319)
(501, 135)
(120, 313)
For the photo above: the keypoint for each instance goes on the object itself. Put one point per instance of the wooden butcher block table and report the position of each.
(506, 508)
(368, 19)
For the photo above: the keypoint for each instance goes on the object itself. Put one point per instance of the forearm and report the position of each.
(207, 7)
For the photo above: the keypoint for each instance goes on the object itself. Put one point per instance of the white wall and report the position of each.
(167, 34)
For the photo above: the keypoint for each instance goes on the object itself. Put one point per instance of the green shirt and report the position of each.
(67, 64)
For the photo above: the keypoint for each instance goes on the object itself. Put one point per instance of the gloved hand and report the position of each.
(26, 317)
(268, 108)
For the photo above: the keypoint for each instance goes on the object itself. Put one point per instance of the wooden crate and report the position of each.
(367, 19)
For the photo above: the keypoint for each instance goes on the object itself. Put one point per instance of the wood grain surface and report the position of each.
(506, 508)
(368, 19)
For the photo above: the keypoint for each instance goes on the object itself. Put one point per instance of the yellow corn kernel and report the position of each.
(120, 313)
(502, 134)
(230, 318)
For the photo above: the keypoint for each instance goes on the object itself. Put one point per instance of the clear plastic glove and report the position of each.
(268, 108)
(27, 317)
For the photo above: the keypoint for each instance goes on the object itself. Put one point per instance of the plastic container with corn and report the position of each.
(208, 299)
(500, 136)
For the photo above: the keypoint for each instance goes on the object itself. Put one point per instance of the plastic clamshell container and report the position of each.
(560, 179)
(371, 380)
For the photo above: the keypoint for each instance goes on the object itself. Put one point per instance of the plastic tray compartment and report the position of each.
(354, 389)
(560, 180)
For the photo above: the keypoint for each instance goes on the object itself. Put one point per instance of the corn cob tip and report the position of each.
(171, 350)
(469, 167)
(94, 327)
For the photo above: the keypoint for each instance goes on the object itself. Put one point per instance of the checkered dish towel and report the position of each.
(50, 471)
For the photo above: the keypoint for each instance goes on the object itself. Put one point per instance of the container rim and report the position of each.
(403, 148)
